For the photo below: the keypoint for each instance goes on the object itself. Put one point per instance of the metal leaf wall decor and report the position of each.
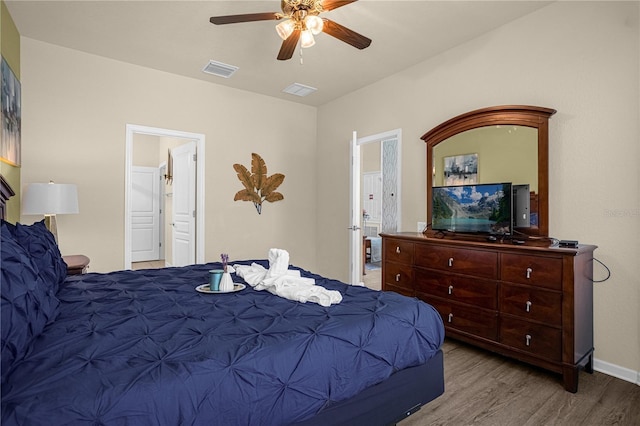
(258, 187)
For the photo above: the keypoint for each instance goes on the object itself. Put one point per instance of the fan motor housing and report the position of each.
(312, 7)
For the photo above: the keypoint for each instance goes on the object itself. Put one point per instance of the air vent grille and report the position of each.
(220, 69)
(299, 89)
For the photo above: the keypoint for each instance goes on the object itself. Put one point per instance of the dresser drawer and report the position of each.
(399, 275)
(398, 251)
(532, 270)
(531, 303)
(469, 319)
(536, 339)
(459, 288)
(479, 263)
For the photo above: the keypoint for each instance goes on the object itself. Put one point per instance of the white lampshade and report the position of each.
(285, 28)
(314, 24)
(50, 198)
(306, 39)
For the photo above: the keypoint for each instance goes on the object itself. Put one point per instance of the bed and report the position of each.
(145, 348)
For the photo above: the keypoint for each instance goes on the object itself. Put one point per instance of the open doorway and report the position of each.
(378, 171)
(151, 199)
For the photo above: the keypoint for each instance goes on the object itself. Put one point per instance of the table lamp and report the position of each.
(50, 199)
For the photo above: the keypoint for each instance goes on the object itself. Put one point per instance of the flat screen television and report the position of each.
(480, 208)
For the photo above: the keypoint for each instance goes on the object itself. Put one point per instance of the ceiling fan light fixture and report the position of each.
(306, 39)
(285, 28)
(314, 24)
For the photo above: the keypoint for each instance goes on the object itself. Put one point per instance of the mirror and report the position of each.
(492, 145)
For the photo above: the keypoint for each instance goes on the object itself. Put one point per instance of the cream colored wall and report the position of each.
(581, 58)
(145, 150)
(370, 157)
(74, 115)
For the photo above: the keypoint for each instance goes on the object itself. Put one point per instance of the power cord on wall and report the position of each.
(605, 267)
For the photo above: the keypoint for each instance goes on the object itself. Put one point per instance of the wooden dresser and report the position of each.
(534, 304)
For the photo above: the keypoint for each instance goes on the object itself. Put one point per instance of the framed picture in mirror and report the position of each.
(460, 169)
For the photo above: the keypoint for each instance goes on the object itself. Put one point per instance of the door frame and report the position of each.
(355, 252)
(199, 138)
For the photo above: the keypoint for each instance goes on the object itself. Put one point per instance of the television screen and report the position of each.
(484, 208)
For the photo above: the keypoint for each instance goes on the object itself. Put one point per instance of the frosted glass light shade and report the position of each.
(285, 28)
(314, 24)
(306, 39)
(50, 198)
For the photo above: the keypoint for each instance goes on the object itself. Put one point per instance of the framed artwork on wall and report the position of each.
(11, 116)
(461, 169)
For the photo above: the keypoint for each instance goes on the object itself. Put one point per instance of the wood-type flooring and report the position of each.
(482, 388)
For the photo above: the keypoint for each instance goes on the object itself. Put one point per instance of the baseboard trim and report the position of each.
(622, 373)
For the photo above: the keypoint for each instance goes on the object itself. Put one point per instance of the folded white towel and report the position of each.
(284, 282)
(278, 262)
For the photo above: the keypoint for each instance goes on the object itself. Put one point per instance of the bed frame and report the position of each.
(386, 403)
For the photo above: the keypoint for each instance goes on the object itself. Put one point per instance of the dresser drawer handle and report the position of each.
(397, 278)
(450, 317)
(528, 306)
(529, 271)
(450, 262)
(398, 249)
(528, 339)
(450, 290)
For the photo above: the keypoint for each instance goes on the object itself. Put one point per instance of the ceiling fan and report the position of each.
(301, 23)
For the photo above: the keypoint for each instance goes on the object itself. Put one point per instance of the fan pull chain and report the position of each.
(301, 60)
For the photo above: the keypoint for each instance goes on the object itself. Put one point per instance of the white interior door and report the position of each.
(371, 202)
(184, 204)
(356, 215)
(145, 214)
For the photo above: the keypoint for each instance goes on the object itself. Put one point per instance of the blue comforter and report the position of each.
(144, 348)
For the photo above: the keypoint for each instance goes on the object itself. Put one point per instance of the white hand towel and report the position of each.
(278, 262)
(281, 281)
(253, 274)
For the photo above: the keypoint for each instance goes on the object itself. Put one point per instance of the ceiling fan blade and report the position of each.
(289, 46)
(249, 17)
(334, 4)
(345, 34)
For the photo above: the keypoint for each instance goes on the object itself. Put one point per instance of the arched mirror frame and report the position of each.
(519, 115)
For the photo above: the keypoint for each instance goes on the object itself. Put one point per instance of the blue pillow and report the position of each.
(43, 249)
(27, 304)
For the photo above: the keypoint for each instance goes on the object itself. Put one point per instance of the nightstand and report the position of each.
(77, 264)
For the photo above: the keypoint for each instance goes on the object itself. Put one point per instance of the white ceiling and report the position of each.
(176, 36)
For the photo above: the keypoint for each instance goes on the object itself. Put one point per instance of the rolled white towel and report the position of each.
(253, 274)
(304, 290)
(278, 262)
(284, 282)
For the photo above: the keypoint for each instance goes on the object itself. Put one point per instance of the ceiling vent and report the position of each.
(220, 69)
(299, 89)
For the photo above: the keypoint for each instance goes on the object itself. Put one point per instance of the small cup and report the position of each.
(215, 275)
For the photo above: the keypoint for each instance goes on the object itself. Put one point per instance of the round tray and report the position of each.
(204, 288)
